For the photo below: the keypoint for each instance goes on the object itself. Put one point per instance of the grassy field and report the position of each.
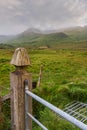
(64, 79)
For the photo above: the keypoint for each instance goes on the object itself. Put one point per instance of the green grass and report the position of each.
(64, 79)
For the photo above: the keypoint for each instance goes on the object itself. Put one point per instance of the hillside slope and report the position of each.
(4, 38)
(77, 33)
(67, 37)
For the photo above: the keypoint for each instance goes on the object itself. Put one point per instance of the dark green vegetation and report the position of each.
(72, 38)
(64, 79)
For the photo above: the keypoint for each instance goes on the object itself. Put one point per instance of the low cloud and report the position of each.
(44, 14)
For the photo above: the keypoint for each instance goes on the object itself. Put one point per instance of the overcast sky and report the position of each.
(18, 15)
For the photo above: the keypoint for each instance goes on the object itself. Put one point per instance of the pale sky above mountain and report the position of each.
(18, 15)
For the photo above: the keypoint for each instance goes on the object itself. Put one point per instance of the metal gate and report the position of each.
(77, 110)
(71, 109)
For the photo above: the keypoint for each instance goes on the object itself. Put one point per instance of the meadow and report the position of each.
(64, 79)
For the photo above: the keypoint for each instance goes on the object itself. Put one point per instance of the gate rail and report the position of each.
(58, 111)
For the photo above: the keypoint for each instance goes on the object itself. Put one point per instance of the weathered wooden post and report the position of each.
(40, 76)
(0, 103)
(20, 60)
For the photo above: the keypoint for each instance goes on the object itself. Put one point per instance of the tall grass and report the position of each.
(64, 79)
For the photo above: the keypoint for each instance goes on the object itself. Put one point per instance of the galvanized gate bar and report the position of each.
(78, 110)
(34, 119)
(27, 114)
(26, 109)
(58, 111)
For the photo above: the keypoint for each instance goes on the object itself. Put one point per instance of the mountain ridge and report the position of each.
(33, 37)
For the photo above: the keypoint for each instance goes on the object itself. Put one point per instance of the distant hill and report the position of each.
(69, 37)
(77, 33)
(31, 31)
(4, 38)
(34, 39)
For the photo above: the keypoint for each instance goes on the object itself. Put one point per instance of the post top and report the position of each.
(20, 57)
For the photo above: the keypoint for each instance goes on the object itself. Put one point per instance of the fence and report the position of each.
(21, 96)
(63, 114)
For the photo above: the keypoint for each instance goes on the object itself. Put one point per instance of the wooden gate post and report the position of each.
(20, 60)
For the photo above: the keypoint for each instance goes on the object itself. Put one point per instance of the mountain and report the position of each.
(4, 38)
(30, 31)
(65, 37)
(78, 33)
(36, 38)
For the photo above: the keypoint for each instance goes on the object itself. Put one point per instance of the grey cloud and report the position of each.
(55, 12)
(6, 3)
(45, 14)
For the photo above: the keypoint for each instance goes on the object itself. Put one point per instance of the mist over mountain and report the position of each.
(34, 37)
(69, 30)
(31, 31)
(4, 38)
